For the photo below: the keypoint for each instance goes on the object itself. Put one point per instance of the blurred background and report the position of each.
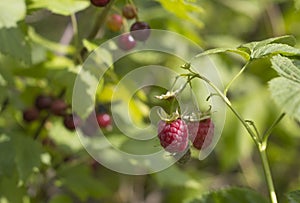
(51, 165)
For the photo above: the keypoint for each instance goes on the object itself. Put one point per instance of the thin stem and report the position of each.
(4, 105)
(75, 29)
(268, 175)
(235, 77)
(254, 127)
(227, 102)
(255, 136)
(270, 129)
(100, 20)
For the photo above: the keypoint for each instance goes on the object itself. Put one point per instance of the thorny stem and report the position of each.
(260, 144)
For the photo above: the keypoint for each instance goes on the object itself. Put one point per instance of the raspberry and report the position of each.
(173, 135)
(104, 120)
(71, 121)
(58, 107)
(201, 133)
(129, 11)
(142, 31)
(43, 102)
(30, 114)
(100, 3)
(114, 22)
(126, 42)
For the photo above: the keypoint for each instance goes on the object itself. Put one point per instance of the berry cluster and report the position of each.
(175, 134)
(139, 30)
(58, 107)
(54, 106)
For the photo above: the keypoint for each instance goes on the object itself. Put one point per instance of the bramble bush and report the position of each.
(70, 99)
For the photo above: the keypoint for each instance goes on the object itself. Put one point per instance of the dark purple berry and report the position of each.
(71, 121)
(126, 42)
(140, 31)
(129, 11)
(100, 3)
(43, 102)
(31, 114)
(59, 107)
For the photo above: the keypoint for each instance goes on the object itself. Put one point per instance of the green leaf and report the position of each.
(52, 46)
(60, 199)
(7, 156)
(285, 68)
(231, 195)
(62, 7)
(286, 93)
(13, 43)
(10, 190)
(11, 12)
(240, 52)
(183, 10)
(78, 179)
(286, 39)
(294, 196)
(166, 177)
(275, 49)
(89, 45)
(28, 154)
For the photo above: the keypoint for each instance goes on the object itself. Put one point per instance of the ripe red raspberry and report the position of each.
(173, 135)
(201, 133)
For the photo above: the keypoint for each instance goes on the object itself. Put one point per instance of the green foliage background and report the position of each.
(33, 60)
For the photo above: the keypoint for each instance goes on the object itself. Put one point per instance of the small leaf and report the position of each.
(13, 43)
(285, 68)
(275, 49)
(294, 197)
(62, 7)
(240, 52)
(231, 195)
(286, 93)
(11, 12)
